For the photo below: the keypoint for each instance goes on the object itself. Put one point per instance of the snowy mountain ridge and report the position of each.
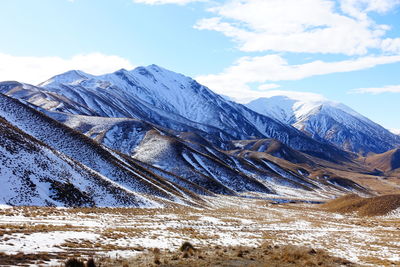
(163, 98)
(292, 109)
(329, 121)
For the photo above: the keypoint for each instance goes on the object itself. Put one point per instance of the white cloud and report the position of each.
(301, 26)
(163, 2)
(268, 86)
(395, 131)
(378, 90)
(234, 81)
(305, 26)
(38, 69)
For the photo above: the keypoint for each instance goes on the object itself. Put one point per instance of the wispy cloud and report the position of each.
(377, 90)
(38, 69)
(234, 80)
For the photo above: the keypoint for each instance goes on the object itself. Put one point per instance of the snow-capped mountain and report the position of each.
(45, 162)
(161, 137)
(328, 121)
(166, 99)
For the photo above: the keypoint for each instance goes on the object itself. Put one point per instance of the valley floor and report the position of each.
(46, 236)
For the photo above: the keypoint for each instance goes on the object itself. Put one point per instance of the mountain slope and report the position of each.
(163, 166)
(241, 170)
(330, 122)
(388, 161)
(193, 158)
(107, 163)
(32, 173)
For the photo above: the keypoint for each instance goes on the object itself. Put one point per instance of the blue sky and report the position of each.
(347, 50)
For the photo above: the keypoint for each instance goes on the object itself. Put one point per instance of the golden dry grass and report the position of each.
(374, 206)
(234, 256)
(21, 258)
(386, 162)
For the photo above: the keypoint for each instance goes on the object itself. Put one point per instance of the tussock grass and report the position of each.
(374, 206)
(35, 228)
(95, 246)
(22, 258)
(238, 256)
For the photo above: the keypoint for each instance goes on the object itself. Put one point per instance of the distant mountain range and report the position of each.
(329, 122)
(152, 137)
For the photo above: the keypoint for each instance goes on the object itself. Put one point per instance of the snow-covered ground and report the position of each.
(124, 233)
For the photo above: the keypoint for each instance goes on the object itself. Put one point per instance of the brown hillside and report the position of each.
(387, 161)
(375, 206)
(274, 148)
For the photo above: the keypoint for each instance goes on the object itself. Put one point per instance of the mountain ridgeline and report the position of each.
(152, 137)
(329, 122)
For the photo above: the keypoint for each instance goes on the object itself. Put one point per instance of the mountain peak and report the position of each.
(121, 70)
(153, 68)
(71, 76)
(156, 67)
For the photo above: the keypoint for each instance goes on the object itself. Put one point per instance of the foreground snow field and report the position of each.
(50, 235)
